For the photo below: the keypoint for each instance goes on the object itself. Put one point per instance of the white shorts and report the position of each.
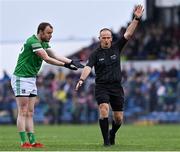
(23, 86)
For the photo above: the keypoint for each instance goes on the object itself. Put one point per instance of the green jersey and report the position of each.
(29, 63)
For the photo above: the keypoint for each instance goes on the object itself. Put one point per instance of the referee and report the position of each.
(108, 89)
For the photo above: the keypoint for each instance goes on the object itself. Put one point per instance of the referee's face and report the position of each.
(105, 39)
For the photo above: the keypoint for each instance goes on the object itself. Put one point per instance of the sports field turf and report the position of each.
(88, 138)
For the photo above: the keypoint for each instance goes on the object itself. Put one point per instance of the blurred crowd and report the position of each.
(148, 94)
(152, 94)
(151, 41)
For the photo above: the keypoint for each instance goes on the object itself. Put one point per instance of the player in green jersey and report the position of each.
(34, 51)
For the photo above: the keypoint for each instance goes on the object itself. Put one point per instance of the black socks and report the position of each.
(104, 125)
(109, 137)
(115, 127)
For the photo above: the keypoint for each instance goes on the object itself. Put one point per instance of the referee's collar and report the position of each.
(102, 49)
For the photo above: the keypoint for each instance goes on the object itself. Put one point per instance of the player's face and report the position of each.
(46, 34)
(105, 39)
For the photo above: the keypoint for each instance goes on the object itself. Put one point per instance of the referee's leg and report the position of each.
(116, 124)
(103, 122)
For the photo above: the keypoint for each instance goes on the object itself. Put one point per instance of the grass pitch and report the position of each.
(88, 138)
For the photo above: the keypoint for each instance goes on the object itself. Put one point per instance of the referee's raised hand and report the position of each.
(138, 11)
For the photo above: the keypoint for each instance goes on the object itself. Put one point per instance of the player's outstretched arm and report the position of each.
(85, 73)
(42, 53)
(60, 58)
(68, 62)
(138, 12)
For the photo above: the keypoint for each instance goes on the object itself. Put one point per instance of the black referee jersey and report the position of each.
(107, 63)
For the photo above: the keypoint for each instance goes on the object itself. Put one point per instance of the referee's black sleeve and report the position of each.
(120, 43)
(92, 59)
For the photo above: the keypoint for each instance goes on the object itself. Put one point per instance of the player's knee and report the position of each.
(30, 113)
(22, 112)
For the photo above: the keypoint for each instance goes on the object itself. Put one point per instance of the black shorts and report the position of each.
(110, 93)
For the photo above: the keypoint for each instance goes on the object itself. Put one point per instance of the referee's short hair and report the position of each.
(42, 26)
(105, 29)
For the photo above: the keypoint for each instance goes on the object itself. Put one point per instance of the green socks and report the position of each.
(31, 137)
(22, 136)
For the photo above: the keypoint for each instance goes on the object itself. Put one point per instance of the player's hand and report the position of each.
(79, 84)
(77, 63)
(70, 66)
(138, 11)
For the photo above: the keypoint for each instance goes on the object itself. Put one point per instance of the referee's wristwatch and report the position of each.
(137, 18)
(81, 81)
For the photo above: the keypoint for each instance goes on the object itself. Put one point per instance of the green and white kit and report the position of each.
(28, 65)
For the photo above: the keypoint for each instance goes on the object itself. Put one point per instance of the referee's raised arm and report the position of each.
(138, 12)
